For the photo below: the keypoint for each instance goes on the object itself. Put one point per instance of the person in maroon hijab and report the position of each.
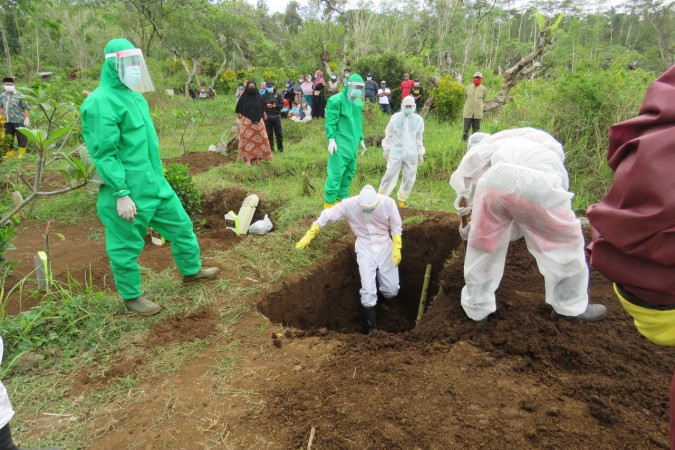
(634, 225)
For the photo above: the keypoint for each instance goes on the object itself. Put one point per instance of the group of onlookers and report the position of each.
(299, 102)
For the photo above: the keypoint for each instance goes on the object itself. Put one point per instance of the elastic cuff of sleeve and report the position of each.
(122, 193)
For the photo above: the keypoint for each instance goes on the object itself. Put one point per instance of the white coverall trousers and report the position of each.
(510, 202)
(390, 178)
(375, 263)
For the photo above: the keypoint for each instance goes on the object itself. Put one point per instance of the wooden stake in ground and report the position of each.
(423, 297)
(311, 439)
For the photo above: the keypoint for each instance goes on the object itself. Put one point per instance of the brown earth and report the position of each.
(522, 380)
(199, 162)
(80, 260)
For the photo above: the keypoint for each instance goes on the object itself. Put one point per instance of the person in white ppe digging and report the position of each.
(515, 184)
(373, 218)
(402, 148)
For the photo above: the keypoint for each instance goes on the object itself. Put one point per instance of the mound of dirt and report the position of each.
(199, 162)
(522, 380)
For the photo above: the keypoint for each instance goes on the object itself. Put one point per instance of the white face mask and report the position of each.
(10, 88)
(407, 110)
(132, 75)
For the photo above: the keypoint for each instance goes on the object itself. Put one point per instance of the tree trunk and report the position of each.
(521, 69)
(5, 45)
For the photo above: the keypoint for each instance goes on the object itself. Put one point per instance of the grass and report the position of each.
(77, 330)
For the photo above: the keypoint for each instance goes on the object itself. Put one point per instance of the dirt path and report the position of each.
(523, 380)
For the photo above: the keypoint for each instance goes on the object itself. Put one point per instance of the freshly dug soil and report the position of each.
(523, 380)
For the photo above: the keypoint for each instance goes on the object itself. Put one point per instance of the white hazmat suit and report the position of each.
(6, 411)
(516, 185)
(373, 243)
(402, 148)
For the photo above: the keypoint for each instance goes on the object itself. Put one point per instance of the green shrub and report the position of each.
(7, 232)
(178, 176)
(448, 99)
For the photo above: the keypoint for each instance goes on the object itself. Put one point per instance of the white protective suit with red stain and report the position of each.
(516, 185)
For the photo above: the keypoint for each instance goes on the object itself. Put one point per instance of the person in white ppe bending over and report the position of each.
(402, 147)
(373, 218)
(515, 184)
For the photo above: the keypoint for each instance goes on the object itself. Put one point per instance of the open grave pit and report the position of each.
(328, 296)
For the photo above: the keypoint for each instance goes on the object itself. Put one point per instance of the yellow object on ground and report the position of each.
(308, 237)
(402, 204)
(327, 205)
(22, 152)
(656, 325)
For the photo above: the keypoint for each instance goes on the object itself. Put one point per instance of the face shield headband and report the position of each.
(356, 93)
(132, 70)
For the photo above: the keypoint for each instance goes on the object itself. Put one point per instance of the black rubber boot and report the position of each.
(371, 324)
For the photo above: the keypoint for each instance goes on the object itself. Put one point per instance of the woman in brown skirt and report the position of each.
(253, 142)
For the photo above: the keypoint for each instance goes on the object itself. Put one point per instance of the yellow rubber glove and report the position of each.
(307, 239)
(396, 254)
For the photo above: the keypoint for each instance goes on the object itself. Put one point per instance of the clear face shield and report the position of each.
(132, 70)
(356, 93)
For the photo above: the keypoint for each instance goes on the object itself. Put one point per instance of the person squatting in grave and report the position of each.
(632, 227)
(515, 185)
(376, 222)
(121, 138)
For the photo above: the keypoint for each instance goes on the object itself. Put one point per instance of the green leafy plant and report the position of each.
(448, 99)
(178, 176)
(7, 233)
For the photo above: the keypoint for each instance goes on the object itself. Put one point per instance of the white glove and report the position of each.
(385, 153)
(462, 211)
(26, 122)
(421, 159)
(332, 146)
(464, 231)
(126, 208)
(363, 148)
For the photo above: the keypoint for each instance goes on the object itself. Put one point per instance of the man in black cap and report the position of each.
(14, 113)
(274, 103)
(371, 88)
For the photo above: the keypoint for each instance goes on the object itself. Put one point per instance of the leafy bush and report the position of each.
(178, 176)
(448, 99)
(6, 236)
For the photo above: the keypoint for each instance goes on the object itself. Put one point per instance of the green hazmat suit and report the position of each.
(121, 138)
(344, 120)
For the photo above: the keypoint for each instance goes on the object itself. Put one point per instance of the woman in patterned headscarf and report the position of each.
(253, 142)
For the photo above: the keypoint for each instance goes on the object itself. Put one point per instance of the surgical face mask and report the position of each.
(369, 78)
(333, 78)
(10, 88)
(132, 75)
(301, 80)
(407, 110)
(347, 75)
(270, 90)
(356, 93)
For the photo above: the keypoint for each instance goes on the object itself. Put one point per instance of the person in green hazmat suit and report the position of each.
(121, 138)
(344, 119)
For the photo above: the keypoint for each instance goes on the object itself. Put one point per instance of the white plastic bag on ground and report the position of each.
(263, 226)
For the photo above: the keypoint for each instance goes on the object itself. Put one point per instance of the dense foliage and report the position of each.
(178, 176)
